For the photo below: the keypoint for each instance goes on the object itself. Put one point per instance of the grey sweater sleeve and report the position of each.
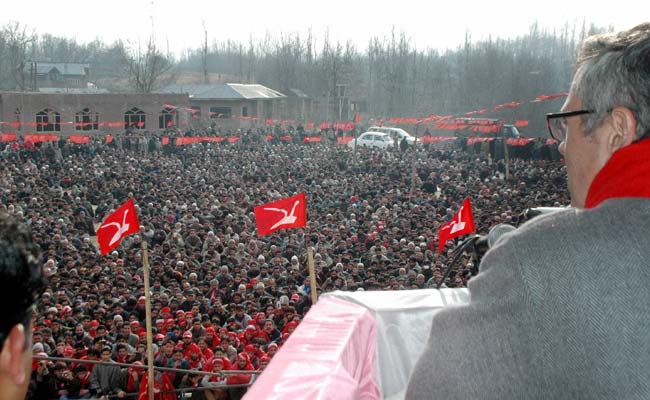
(476, 351)
(559, 310)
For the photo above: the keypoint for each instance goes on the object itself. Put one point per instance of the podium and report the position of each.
(355, 345)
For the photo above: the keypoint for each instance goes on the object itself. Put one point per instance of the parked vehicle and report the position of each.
(486, 127)
(373, 139)
(395, 133)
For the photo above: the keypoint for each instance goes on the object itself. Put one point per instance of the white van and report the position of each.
(394, 133)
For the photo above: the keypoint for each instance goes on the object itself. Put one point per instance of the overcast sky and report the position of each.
(428, 24)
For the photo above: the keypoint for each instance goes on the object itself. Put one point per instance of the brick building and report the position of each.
(231, 105)
(68, 113)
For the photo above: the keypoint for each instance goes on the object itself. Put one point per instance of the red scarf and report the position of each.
(626, 174)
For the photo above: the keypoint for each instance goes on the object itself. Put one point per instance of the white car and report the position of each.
(373, 139)
(394, 133)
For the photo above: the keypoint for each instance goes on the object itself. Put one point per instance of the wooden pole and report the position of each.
(145, 269)
(312, 274)
(506, 157)
(413, 166)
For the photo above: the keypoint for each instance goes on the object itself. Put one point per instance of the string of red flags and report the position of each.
(461, 224)
(120, 224)
(290, 212)
(189, 140)
(345, 126)
(38, 138)
(546, 97)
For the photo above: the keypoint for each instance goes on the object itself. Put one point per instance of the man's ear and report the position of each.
(11, 357)
(623, 132)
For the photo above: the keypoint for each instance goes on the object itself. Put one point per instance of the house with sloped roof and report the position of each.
(225, 103)
(49, 75)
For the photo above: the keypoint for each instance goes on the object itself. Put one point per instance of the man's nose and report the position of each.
(562, 147)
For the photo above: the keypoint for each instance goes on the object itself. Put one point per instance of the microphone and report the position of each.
(496, 232)
(479, 245)
(533, 212)
(484, 243)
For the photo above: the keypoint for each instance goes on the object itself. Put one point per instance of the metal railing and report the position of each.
(181, 391)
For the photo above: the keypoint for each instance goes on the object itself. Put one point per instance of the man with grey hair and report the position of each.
(560, 307)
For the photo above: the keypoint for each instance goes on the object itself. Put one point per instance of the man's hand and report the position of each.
(121, 394)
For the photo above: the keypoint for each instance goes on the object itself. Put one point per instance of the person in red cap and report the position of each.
(260, 318)
(166, 312)
(264, 362)
(271, 349)
(254, 354)
(92, 328)
(215, 382)
(219, 353)
(140, 308)
(189, 347)
(243, 364)
(180, 318)
(160, 326)
(247, 336)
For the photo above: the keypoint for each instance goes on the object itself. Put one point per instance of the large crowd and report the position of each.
(222, 297)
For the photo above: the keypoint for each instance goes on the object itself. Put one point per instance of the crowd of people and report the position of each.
(224, 299)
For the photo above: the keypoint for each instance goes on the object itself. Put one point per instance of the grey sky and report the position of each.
(431, 24)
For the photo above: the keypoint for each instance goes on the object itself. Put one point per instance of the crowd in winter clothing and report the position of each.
(222, 297)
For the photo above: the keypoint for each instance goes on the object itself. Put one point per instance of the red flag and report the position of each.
(8, 137)
(162, 388)
(79, 139)
(282, 214)
(461, 224)
(122, 223)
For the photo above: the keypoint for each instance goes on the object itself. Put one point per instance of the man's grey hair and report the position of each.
(613, 69)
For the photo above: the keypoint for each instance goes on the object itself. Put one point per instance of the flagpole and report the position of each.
(312, 275)
(145, 269)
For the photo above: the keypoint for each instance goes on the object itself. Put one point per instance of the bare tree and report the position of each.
(205, 54)
(148, 68)
(16, 40)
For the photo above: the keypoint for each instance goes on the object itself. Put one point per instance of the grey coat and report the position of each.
(108, 379)
(559, 310)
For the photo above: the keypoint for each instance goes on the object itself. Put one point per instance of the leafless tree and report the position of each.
(148, 68)
(15, 43)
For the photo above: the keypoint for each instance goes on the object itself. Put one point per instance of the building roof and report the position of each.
(224, 91)
(299, 93)
(62, 68)
(89, 90)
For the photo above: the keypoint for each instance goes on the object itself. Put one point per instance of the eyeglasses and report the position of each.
(557, 124)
